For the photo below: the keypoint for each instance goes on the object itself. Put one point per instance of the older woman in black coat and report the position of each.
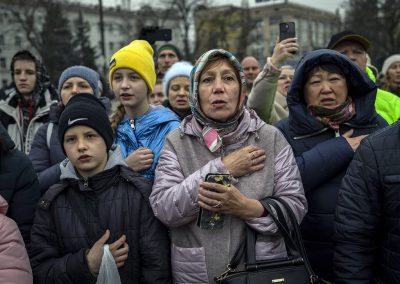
(331, 109)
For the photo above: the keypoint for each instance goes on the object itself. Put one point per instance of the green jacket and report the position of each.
(387, 104)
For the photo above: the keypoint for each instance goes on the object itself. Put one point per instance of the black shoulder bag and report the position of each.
(293, 269)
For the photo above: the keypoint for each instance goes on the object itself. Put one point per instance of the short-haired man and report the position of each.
(251, 68)
(167, 55)
(25, 104)
(355, 47)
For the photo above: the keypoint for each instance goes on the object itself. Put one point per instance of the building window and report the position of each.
(111, 45)
(275, 20)
(4, 82)
(18, 41)
(1, 40)
(3, 63)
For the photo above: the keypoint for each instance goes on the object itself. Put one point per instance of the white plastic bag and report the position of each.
(108, 273)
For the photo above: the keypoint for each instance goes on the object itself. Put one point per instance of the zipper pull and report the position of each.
(132, 121)
(85, 183)
(337, 133)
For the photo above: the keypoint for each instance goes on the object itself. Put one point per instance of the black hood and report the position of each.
(361, 89)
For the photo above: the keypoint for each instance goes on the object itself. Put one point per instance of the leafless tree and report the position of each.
(27, 14)
(183, 10)
(379, 21)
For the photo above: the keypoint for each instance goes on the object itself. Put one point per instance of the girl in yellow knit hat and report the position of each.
(140, 128)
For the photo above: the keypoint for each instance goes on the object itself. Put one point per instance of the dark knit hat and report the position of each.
(87, 110)
(91, 76)
(170, 46)
(348, 36)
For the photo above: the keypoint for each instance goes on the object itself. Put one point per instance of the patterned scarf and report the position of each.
(212, 127)
(335, 116)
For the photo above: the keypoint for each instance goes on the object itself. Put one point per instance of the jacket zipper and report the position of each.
(132, 122)
(85, 182)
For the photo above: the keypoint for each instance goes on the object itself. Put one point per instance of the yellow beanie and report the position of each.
(138, 56)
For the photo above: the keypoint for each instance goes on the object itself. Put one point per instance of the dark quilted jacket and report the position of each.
(322, 157)
(73, 214)
(18, 184)
(367, 223)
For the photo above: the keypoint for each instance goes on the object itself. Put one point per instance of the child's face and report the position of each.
(86, 150)
(130, 88)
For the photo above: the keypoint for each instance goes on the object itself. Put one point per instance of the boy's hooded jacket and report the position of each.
(76, 212)
(321, 156)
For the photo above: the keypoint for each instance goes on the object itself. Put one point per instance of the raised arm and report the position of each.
(262, 95)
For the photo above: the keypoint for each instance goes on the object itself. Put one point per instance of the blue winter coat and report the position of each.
(321, 156)
(46, 154)
(149, 131)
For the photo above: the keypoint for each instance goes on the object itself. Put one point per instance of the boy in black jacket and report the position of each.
(99, 200)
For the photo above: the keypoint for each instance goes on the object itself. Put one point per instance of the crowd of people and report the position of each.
(82, 175)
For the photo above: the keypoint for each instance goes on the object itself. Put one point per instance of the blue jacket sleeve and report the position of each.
(323, 162)
(357, 220)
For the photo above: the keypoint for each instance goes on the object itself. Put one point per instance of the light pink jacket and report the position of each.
(198, 255)
(14, 261)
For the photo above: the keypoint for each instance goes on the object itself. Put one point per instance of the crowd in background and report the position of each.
(81, 174)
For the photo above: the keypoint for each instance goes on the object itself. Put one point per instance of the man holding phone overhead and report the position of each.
(264, 98)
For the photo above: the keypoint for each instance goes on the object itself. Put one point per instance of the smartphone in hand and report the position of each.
(213, 220)
(287, 30)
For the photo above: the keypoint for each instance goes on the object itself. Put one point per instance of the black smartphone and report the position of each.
(153, 34)
(287, 30)
(213, 220)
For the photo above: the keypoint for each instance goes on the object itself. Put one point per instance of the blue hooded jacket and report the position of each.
(323, 155)
(150, 131)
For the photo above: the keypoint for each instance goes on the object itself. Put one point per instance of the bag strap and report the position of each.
(313, 278)
(248, 244)
(292, 248)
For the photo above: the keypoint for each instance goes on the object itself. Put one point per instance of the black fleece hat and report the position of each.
(350, 36)
(85, 109)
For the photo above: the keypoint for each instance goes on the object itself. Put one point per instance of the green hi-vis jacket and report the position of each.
(387, 104)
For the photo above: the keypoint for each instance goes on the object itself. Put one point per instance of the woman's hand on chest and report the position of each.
(245, 161)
